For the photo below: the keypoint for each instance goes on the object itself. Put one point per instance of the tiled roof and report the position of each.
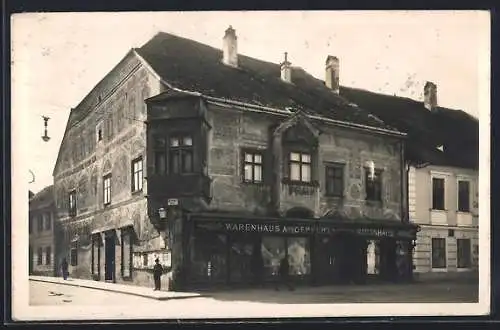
(43, 198)
(193, 66)
(455, 130)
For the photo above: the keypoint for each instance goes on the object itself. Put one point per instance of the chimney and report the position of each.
(332, 73)
(230, 48)
(430, 95)
(286, 70)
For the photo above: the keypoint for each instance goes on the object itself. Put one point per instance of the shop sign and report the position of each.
(277, 228)
(377, 232)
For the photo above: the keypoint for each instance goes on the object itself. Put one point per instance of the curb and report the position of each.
(119, 291)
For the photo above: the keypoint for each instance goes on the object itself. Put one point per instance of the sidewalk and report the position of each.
(118, 288)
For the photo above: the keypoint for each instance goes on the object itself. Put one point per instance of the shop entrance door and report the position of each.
(109, 263)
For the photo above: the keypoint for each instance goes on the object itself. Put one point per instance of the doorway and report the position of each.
(109, 262)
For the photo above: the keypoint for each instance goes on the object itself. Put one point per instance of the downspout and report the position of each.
(404, 182)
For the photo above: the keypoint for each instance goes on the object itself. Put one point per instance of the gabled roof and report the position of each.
(43, 198)
(455, 130)
(193, 66)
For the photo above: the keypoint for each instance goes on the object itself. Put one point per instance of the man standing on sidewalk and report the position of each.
(157, 272)
(64, 269)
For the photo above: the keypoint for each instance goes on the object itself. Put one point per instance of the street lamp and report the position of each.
(162, 212)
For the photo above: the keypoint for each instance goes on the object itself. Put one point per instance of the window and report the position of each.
(300, 167)
(464, 196)
(252, 167)
(159, 150)
(145, 259)
(72, 203)
(181, 154)
(334, 179)
(437, 194)
(438, 253)
(137, 174)
(74, 254)
(39, 256)
(373, 185)
(99, 132)
(48, 221)
(48, 255)
(40, 223)
(107, 189)
(464, 259)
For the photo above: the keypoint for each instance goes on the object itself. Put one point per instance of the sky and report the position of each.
(57, 58)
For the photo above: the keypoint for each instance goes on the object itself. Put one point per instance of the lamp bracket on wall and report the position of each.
(45, 137)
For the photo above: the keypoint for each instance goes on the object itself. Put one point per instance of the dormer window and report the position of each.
(300, 167)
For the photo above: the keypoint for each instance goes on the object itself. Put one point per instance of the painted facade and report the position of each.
(104, 137)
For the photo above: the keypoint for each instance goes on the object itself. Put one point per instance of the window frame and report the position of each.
(176, 154)
(253, 164)
(47, 223)
(336, 167)
(72, 203)
(300, 162)
(469, 206)
(160, 149)
(140, 173)
(106, 189)
(433, 199)
(468, 263)
(378, 179)
(40, 223)
(442, 265)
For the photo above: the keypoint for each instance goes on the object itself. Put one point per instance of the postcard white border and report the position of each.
(22, 311)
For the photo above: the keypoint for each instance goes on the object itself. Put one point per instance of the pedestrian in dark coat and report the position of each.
(64, 268)
(157, 272)
(283, 272)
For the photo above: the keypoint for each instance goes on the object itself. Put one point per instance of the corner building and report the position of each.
(242, 162)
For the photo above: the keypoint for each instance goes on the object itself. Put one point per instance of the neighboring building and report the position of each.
(443, 159)
(42, 234)
(246, 161)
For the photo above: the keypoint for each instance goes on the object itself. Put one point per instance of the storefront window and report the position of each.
(208, 257)
(241, 255)
(299, 256)
(273, 250)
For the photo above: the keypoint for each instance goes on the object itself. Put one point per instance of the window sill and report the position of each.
(439, 270)
(313, 183)
(438, 210)
(464, 212)
(251, 183)
(136, 192)
(334, 197)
